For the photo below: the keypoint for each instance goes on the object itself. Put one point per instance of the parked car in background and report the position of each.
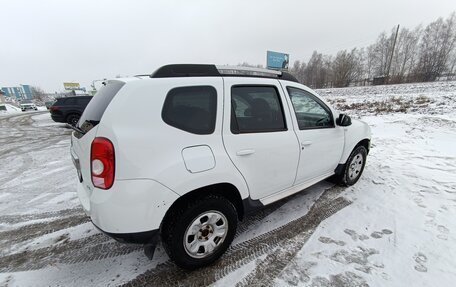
(207, 145)
(69, 109)
(28, 106)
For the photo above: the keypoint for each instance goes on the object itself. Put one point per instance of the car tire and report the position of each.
(354, 167)
(73, 119)
(198, 233)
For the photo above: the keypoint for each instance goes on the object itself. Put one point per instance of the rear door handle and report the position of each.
(306, 143)
(245, 152)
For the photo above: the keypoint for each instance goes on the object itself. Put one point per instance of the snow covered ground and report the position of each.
(395, 227)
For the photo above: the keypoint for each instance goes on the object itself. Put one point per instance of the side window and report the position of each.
(192, 109)
(310, 112)
(256, 109)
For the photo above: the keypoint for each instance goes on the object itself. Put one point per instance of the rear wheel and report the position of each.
(198, 234)
(73, 119)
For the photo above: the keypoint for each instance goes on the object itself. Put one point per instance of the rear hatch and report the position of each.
(82, 137)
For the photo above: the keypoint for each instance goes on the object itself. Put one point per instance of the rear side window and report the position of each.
(191, 109)
(256, 109)
(100, 101)
(70, 101)
(83, 101)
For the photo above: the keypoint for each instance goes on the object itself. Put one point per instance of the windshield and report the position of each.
(97, 106)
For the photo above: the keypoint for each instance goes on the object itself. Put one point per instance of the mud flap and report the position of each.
(149, 247)
(149, 250)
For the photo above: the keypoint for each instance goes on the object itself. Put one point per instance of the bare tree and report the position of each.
(39, 94)
(318, 71)
(380, 52)
(299, 71)
(404, 58)
(346, 67)
(436, 46)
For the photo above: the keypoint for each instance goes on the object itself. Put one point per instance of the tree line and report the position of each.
(421, 54)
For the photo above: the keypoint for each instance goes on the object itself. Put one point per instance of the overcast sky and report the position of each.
(46, 43)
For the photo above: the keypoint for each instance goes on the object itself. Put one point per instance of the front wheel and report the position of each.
(200, 232)
(354, 167)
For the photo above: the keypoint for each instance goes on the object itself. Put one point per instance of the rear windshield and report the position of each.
(97, 106)
(60, 101)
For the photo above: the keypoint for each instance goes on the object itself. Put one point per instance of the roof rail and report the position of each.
(203, 70)
(242, 69)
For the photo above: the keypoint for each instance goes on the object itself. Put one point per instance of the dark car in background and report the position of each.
(69, 109)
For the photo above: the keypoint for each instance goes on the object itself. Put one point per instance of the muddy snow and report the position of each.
(395, 227)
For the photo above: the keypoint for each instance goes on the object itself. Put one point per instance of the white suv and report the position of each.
(186, 152)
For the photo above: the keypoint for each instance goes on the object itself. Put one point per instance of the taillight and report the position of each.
(53, 108)
(102, 163)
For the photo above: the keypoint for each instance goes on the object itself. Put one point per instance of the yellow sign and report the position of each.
(71, 86)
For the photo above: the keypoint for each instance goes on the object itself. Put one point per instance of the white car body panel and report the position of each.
(354, 133)
(320, 149)
(268, 161)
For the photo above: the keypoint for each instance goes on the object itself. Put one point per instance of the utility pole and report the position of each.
(391, 57)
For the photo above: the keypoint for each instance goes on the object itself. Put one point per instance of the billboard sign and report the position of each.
(71, 86)
(277, 61)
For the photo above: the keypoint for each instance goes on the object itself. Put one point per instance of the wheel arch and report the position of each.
(225, 189)
(72, 113)
(341, 166)
(365, 143)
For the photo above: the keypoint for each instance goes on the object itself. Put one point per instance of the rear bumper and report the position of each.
(147, 237)
(128, 207)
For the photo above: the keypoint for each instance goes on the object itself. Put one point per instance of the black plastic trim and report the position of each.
(147, 237)
(251, 205)
(186, 70)
(339, 169)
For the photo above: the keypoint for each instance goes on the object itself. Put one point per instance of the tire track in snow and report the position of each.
(100, 246)
(14, 219)
(27, 232)
(168, 274)
(95, 247)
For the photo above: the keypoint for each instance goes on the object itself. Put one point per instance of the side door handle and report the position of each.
(245, 152)
(306, 143)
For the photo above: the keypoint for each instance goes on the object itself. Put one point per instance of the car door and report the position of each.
(258, 134)
(321, 140)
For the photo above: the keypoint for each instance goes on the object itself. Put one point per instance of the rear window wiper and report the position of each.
(77, 129)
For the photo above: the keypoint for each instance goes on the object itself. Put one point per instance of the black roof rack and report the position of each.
(202, 70)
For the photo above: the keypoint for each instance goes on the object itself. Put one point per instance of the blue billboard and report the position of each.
(277, 61)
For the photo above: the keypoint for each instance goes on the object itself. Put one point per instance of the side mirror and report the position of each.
(343, 120)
